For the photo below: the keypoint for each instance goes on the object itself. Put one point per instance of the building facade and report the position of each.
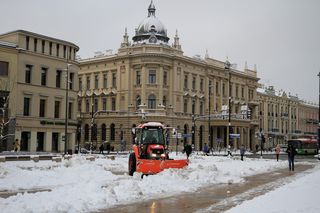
(283, 117)
(33, 72)
(150, 80)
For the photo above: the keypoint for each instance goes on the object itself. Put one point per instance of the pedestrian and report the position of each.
(108, 147)
(229, 151)
(187, 149)
(242, 151)
(101, 148)
(291, 153)
(17, 145)
(205, 149)
(277, 151)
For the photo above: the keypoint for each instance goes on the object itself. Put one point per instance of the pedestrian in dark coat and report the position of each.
(101, 148)
(291, 153)
(242, 151)
(188, 150)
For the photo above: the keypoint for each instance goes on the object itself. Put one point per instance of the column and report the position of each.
(160, 85)
(143, 85)
(33, 142)
(48, 142)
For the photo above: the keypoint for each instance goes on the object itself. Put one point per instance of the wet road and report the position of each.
(216, 198)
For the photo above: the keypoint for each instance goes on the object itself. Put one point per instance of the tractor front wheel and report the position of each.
(132, 164)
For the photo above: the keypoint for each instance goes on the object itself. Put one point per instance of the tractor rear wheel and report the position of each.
(132, 164)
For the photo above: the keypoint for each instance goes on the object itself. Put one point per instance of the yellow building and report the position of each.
(33, 70)
(283, 117)
(150, 80)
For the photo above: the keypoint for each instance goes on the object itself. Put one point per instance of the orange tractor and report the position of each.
(150, 154)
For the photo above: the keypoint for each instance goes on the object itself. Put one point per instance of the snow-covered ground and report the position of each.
(79, 185)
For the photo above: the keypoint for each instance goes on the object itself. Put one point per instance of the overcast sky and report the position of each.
(282, 37)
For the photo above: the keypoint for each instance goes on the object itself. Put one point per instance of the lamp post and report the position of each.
(227, 66)
(66, 111)
(209, 123)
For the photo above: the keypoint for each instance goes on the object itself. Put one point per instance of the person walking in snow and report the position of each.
(242, 151)
(229, 151)
(277, 151)
(205, 149)
(188, 149)
(17, 145)
(291, 153)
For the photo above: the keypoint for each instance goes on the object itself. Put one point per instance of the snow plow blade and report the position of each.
(149, 167)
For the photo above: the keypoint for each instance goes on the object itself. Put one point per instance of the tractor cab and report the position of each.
(150, 138)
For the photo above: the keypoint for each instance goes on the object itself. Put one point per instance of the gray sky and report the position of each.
(280, 36)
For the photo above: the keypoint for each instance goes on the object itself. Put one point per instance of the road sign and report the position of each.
(234, 135)
(187, 135)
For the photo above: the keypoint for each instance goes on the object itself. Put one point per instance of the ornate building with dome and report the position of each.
(150, 79)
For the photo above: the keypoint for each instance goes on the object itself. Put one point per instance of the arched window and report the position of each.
(112, 132)
(103, 132)
(138, 101)
(86, 132)
(152, 101)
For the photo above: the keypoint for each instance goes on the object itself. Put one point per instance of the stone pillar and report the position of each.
(33, 142)
(48, 142)
(143, 85)
(160, 86)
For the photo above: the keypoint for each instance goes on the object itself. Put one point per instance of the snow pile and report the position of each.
(79, 185)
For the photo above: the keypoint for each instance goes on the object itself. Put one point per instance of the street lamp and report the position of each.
(227, 66)
(209, 124)
(66, 111)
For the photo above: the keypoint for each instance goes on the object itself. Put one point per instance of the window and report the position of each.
(152, 76)
(64, 51)
(88, 82)
(164, 101)
(96, 81)
(185, 105)
(57, 109)
(80, 84)
(4, 68)
(103, 132)
(138, 101)
(70, 110)
(58, 47)
(112, 132)
(50, 48)
(113, 104)
(44, 76)
(193, 109)
(28, 74)
(138, 77)
(26, 106)
(114, 80)
(152, 101)
(217, 88)
(58, 78)
(86, 132)
(35, 44)
(185, 85)
(201, 108)
(87, 105)
(193, 83)
(95, 105)
(43, 46)
(223, 89)
(80, 105)
(71, 81)
(42, 108)
(165, 78)
(105, 80)
(27, 42)
(104, 104)
(237, 91)
(201, 84)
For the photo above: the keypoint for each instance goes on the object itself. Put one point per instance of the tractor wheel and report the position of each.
(132, 164)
